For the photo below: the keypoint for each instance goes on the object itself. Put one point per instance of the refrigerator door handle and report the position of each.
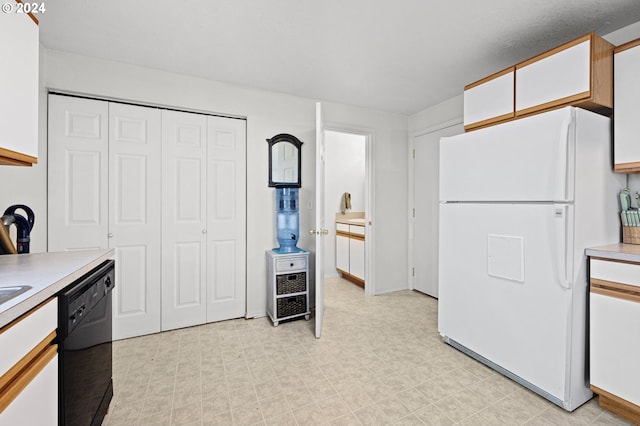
(561, 162)
(560, 246)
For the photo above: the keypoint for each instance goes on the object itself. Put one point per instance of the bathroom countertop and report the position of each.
(351, 218)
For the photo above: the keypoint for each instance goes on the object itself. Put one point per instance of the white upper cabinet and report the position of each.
(626, 126)
(489, 100)
(18, 89)
(578, 73)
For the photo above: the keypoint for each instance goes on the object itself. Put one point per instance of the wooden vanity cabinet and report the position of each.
(614, 324)
(578, 73)
(626, 126)
(19, 48)
(29, 368)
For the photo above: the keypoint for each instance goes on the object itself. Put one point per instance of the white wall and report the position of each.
(344, 155)
(267, 114)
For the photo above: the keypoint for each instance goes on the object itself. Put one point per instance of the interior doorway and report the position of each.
(347, 159)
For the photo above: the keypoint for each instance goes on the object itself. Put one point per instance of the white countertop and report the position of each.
(619, 251)
(46, 273)
(351, 218)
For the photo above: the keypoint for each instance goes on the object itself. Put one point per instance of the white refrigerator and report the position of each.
(519, 203)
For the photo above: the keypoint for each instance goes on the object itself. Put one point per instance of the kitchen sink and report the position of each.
(8, 293)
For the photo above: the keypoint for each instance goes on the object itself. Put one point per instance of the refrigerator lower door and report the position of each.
(505, 292)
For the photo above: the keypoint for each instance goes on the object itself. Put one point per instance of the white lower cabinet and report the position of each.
(29, 368)
(166, 190)
(615, 336)
(350, 255)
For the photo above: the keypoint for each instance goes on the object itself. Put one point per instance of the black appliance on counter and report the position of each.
(23, 226)
(85, 336)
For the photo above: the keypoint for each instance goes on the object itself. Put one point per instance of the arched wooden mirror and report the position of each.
(285, 158)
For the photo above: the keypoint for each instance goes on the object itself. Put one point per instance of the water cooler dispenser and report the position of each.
(287, 219)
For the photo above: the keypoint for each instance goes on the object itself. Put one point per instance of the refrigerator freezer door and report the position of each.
(503, 288)
(529, 159)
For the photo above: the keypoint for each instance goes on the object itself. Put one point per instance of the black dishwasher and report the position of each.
(85, 371)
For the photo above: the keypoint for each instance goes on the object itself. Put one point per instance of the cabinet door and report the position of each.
(554, 78)
(356, 258)
(19, 88)
(226, 218)
(184, 224)
(36, 402)
(134, 217)
(615, 346)
(489, 100)
(342, 253)
(78, 174)
(627, 98)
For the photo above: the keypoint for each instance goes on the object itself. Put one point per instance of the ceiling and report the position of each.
(400, 56)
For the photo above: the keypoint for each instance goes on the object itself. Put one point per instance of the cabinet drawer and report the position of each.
(356, 230)
(342, 227)
(291, 264)
(291, 283)
(616, 272)
(21, 336)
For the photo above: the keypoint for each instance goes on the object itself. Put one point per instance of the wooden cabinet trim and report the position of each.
(16, 386)
(489, 122)
(601, 72)
(350, 235)
(490, 77)
(617, 290)
(26, 360)
(31, 15)
(628, 167)
(617, 405)
(573, 99)
(13, 158)
(628, 45)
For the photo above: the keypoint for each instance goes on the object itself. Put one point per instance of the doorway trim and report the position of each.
(369, 209)
(411, 198)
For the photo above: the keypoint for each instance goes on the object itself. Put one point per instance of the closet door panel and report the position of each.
(226, 218)
(134, 217)
(184, 226)
(77, 174)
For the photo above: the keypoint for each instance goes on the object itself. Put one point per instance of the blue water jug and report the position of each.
(288, 229)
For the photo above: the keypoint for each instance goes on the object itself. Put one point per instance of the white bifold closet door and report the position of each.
(203, 219)
(134, 217)
(167, 191)
(104, 169)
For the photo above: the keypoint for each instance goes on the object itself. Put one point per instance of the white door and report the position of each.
(425, 202)
(226, 218)
(134, 217)
(505, 286)
(320, 221)
(78, 174)
(184, 224)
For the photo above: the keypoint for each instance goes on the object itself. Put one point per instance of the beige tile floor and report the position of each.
(380, 361)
